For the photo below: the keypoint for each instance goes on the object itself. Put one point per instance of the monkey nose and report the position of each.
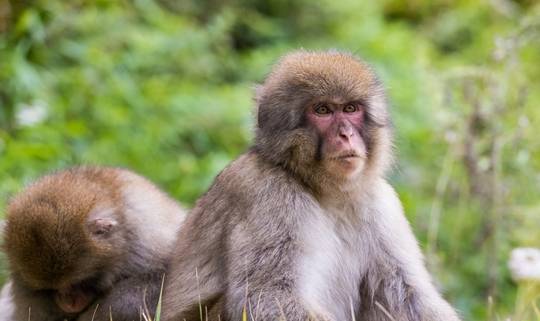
(346, 133)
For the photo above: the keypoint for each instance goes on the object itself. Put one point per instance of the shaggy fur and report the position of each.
(106, 228)
(279, 237)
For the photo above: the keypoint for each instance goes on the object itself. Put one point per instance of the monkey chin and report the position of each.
(348, 167)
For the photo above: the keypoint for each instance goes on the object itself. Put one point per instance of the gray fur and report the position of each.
(280, 237)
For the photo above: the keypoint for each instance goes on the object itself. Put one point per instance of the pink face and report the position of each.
(339, 125)
(73, 300)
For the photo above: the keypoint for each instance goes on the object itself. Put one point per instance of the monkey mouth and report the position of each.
(346, 156)
(74, 299)
(73, 302)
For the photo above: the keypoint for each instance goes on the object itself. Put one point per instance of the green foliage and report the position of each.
(164, 88)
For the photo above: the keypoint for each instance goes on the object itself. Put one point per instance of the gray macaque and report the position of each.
(304, 226)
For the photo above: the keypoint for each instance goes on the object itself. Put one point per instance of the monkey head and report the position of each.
(323, 116)
(61, 233)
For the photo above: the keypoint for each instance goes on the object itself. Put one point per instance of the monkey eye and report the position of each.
(322, 110)
(350, 108)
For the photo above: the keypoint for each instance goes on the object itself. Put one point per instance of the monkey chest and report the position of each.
(331, 265)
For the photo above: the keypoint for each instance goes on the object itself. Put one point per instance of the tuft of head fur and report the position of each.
(302, 78)
(47, 237)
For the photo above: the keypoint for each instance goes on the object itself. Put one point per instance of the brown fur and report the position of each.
(46, 225)
(80, 226)
(280, 236)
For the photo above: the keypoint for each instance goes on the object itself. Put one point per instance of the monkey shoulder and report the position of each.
(251, 191)
(386, 209)
(384, 201)
(252, 178)
(391, 224)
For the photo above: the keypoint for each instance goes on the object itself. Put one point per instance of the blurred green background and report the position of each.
(165, 88)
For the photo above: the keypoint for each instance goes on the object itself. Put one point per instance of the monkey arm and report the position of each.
(130, 296)
(237, 248)
(406, 290)
(264, 284)
(193, 288)
(194, 280)
(264, 248)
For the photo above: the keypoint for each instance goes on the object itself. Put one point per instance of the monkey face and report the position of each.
(343, 150)
(75, 298)
(324, 118)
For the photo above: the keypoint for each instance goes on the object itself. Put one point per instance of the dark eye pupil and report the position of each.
(350, 108)
(322, 110)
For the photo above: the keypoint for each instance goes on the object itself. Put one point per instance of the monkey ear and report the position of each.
(102, 226)
(258, 92)
(101, 222)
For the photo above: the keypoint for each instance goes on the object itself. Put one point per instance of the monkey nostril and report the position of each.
(345, 134)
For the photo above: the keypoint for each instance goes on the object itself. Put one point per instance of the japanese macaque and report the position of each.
(304, 226)
(89, 243)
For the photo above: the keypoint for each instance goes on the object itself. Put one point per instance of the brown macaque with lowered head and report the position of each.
(304, 226)
(88, 243)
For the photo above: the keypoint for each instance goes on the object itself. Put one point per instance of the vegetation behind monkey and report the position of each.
(304, 226)
(85, 241)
